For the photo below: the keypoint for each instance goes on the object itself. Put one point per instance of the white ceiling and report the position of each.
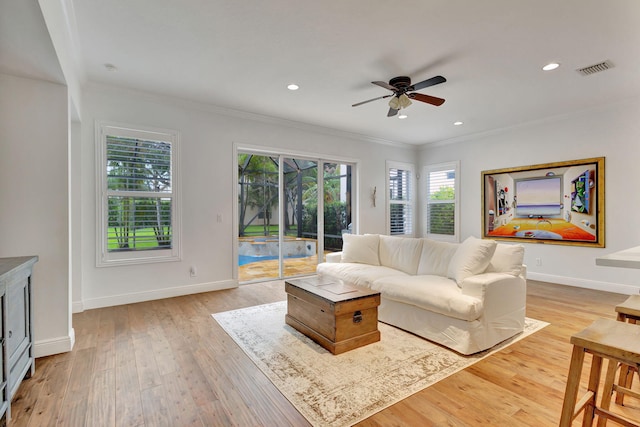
(25, 47)
(242, 54)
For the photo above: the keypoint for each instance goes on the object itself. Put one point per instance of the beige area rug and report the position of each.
(344, 389)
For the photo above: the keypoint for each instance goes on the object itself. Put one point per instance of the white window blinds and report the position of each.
(139, 194)
(401, 209)
(441, 209)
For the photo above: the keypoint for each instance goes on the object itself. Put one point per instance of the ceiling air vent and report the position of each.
(596, 68)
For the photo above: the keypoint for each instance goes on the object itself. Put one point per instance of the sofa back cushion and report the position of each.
(507, 259)
(435, 257)
(400, 253)
(472, 257)
(362, 249)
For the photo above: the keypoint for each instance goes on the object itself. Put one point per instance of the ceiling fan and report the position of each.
(404, 92)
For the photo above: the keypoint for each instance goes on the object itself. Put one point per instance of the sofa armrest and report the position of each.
(333, 257)
(500, 292)
(478, 285)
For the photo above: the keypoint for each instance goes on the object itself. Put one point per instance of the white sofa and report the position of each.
(467, 296)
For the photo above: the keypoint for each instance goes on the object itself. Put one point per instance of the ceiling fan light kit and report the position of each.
(404, 92)
(403, 101)
(395, 103)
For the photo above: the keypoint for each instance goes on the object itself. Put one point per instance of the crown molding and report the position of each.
(245, 115)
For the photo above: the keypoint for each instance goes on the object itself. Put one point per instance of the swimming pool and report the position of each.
(255, 249)
(248, 259)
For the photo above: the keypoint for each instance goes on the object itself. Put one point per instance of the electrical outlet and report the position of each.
(192, 271)
(219, 217)
(538, 262)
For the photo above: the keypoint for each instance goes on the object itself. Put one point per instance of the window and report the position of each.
(138, 203)
(401, 196)
(442, 211)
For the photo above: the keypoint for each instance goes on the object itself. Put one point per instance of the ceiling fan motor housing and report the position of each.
(401, 82)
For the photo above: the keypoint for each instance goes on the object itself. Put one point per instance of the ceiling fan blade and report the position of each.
(369, 100)
(427, 98)
(392, 112)
(426, 83)
(385, 85)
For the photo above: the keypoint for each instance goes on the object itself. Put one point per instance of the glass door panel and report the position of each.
(300, 216)
(258, 247)
(337, 205)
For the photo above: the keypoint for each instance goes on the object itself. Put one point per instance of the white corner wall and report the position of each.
(612, 131)
(208, 135)
(34, 138)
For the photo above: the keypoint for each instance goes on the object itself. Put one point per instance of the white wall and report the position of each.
(75, 210)
(34, 139)
(208, 135)
(612, 131)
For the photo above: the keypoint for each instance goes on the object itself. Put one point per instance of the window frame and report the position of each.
(104, 258)
(440, 167)
(411, 169)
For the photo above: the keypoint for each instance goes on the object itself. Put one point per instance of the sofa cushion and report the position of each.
(400, 253)
(357, 274)
(432, 293)
(472, 257)
(507, 259)
(435, 257)
(360, 248)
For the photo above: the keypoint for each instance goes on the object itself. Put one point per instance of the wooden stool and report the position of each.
(604, 339)
(628, 311)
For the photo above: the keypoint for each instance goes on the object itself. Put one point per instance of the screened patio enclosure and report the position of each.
(280, 231)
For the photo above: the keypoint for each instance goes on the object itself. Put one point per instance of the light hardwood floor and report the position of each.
(168, 363)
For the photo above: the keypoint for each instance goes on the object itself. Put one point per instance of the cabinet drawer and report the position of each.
(19, 369)
(17, 320)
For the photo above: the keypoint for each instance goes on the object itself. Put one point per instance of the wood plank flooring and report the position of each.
(168, 363)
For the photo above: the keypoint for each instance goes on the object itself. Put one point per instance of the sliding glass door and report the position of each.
(258, 205)
(280, 231)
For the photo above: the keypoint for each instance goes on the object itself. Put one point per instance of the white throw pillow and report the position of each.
(507, 259)
(472, 257)
(435, 257)
(400, 253)
(362, 249)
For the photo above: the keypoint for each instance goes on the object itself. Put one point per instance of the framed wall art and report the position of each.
(559, 203)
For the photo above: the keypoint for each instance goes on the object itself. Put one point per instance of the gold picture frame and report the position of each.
(560, 203)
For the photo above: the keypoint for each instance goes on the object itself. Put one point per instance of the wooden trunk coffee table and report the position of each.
(338, 316)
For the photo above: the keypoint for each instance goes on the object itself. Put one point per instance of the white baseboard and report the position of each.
(585, 283)
(77, 307)
(113, 300)
(52, 346)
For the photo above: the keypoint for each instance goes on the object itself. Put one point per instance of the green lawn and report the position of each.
(258, 230)
(145, 238)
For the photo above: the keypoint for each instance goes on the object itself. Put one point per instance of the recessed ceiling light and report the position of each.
(402, 116)
(551, 66)
(110, 67)
(293, 86)
(458, 123)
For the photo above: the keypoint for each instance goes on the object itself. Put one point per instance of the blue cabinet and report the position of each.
(16, 330)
